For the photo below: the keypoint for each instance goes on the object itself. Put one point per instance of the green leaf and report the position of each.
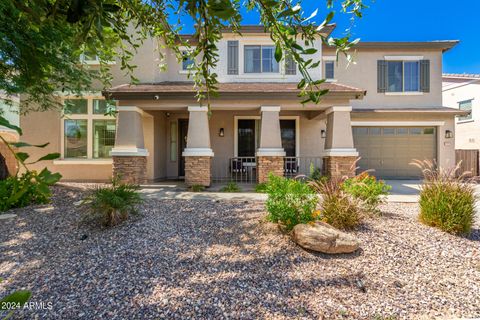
(310, 51)
(25, 144)
(22, 156)
(20, 296)
(50, 156)
(4, 122)
(278, 53)
(49, 178)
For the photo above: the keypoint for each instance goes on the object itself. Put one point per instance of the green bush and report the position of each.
(368, 189)
(338, 208)
(447, 200)
(290, 202)
(197, 188)
(316, 174)
(231, 187)
(261, 188)
(28, 188)
(113, 204)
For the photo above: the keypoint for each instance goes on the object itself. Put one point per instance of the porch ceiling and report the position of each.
(183, 90)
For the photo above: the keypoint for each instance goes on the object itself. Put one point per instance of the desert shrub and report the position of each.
(114, 203)
(290, 201)
(261, 187)
(447, 199)
(338, 208)
(231, 187)
(316, 173)
(197, 188)
(29, 188)
(368, 189)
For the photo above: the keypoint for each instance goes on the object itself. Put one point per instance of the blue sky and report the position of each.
(413, 20)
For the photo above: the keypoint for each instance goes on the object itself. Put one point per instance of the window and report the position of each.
(403, 76)
(103, 138)
(329, 70)
(248, 136)
(260, 59)
(290, 66)
(465, 106)
(187, 60)
(88, 132)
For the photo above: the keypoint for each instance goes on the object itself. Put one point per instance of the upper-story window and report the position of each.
(88, 132)
(187, 60)
(403, 76)
(465, 106)
(329, 70)
(260, 59)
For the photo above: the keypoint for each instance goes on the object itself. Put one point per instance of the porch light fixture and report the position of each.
(221, 132)
(448, 134)
(323, 134)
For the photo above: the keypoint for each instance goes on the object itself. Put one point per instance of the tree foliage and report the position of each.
(41, 40)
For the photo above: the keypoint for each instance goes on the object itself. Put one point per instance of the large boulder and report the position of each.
(322, 237)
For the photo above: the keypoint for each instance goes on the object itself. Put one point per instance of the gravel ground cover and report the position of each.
(215, 259)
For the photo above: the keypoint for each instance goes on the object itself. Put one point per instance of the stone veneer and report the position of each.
(339, 166)
(130, 169)
(198, 170)
(267, 165)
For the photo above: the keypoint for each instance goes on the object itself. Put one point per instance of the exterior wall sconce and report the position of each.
(448, 134)
(221, 132)
(323, 134)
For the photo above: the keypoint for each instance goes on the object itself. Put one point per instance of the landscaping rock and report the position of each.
(322, 237)
(5, 216)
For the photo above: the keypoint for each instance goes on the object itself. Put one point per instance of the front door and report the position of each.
(182, 134)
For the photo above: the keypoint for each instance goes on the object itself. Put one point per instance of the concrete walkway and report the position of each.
(404, 191)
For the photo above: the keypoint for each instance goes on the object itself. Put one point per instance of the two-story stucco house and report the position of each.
(386, 108)
(462, 91)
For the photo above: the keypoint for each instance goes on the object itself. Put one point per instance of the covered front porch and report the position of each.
(241, 140)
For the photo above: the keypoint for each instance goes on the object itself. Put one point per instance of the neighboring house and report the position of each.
(386, 108)
(462, 91)
(8, 110)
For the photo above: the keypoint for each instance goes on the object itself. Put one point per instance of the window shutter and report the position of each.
(290, 66)
(232, 57)
(381, 76)
(425, 75)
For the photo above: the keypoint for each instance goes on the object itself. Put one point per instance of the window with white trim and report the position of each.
(329, 70)
(260, 59)
(465, 106)
(403, 76)
(187, 61)
(88, 131)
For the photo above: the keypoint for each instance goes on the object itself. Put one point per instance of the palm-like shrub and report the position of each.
(290, 202)
(338, 208)
(447, 198)
(367, 189)
(114, 203)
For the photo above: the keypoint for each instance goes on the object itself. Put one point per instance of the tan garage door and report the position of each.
(389, 150)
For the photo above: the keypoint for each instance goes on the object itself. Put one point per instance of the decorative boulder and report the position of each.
(322, 237)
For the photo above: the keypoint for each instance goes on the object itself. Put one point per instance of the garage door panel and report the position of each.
(390, 155)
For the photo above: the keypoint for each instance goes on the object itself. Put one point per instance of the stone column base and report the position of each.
(198, 170)
(338, 167)
(130, 169)
(267, 165)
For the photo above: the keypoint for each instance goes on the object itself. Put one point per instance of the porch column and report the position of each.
(271, 153)
(340, 153)
(198, 153)
(129, 154)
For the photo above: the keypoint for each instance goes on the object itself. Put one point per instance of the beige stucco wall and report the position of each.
(363, 74)
(467, 132)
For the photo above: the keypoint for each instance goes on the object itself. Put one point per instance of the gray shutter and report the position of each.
(382, 76)
(232, 57)
(425, 75)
